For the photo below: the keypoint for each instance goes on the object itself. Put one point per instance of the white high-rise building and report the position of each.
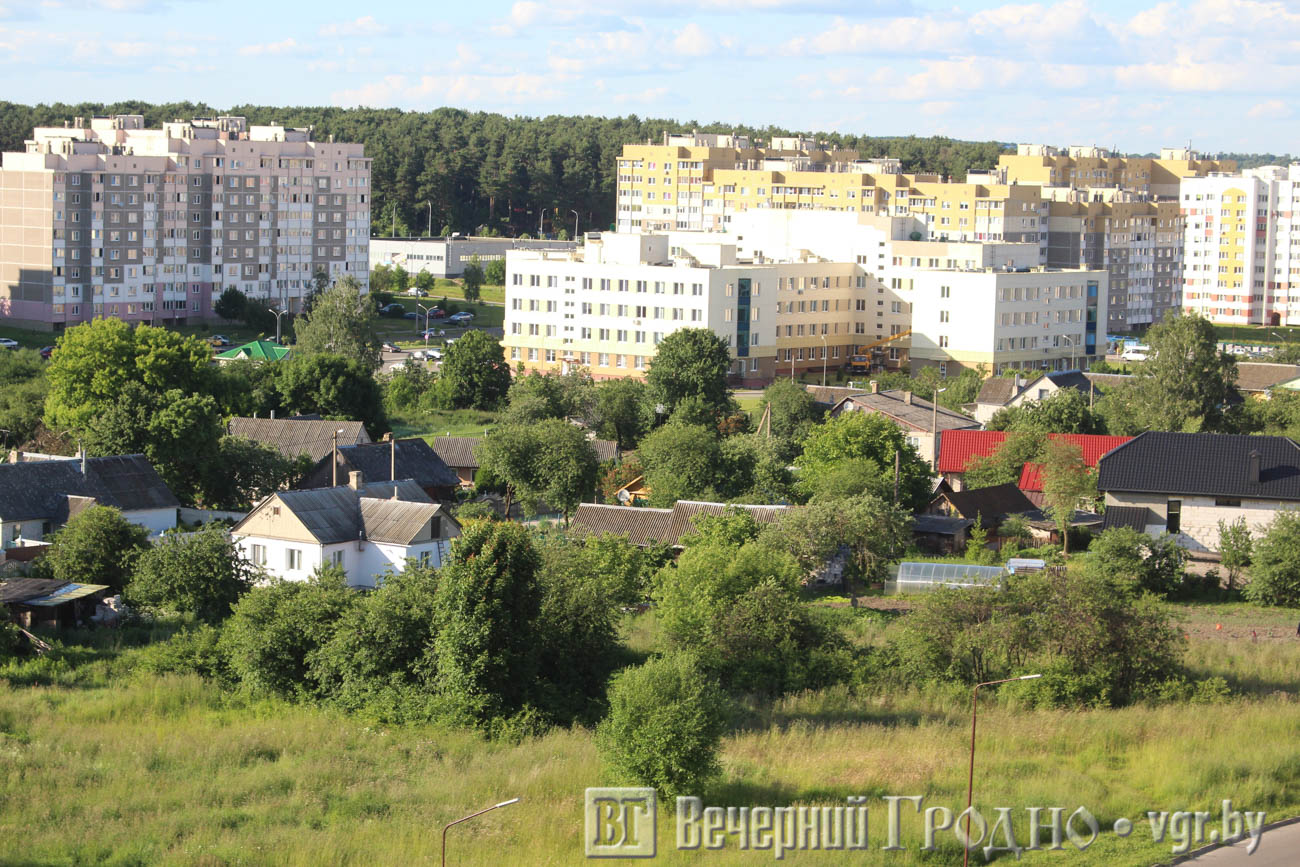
(1241, 260)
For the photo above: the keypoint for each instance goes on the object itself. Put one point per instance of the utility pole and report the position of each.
(575, 224)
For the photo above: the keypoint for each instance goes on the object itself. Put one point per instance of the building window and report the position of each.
(1174, 516)
(259, 555)
(292, 559)
(1228, 502)
(337, 558)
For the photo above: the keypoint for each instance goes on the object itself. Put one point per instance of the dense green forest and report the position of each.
(462, 169)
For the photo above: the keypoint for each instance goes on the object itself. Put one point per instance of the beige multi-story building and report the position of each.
(1083, 167)
(1242, 246)
(103, 217)
(607, 306)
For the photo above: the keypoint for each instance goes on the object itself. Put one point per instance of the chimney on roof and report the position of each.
(1252, 467)
(356, 481)
(875, 386)
(907, 398)
(83, 461)
(272, 413)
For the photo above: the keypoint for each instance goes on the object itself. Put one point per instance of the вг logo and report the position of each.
(620, 822)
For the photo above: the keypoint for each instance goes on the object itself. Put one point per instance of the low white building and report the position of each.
(38, 497)
(367, 530)
(447, 257)
(1186, 483)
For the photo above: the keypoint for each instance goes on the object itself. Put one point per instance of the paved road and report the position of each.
(1278, 847)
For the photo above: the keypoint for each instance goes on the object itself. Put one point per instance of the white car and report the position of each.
(414, 292)
(434, 354)
(6, 343)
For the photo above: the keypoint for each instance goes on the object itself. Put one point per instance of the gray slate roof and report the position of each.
(997, 391)
(402, 489)
(415, 460)
(298, 436)
(457, 451)
(1204, 464)
(990, 504)
(917, 415)
(40, 489)
(341, 514)
(1260, 376)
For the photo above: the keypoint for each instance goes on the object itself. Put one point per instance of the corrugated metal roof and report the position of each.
(396, 521)
(329, 514)
(642, 526)
(256, 350)
(415, 460)
(299, 436)
(403, 489)
(685, 513)
(457, 451)
(18, 589)
(66, 593)
(957, 448)
(918, 415)
(1134, 517)
(40, 489)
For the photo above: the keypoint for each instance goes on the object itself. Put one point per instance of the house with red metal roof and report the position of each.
(958, 449)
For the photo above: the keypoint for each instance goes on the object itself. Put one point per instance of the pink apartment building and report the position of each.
(107, 218)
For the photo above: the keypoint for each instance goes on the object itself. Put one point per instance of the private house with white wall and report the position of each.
(1185, 483)
(38, 497)
(367, 529)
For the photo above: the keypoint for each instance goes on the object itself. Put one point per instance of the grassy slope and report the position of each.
(127, 769)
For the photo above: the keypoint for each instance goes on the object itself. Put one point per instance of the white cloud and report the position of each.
(284, 46)
(1270, 108)
(366, 25)
(650, 94)
(692, 41)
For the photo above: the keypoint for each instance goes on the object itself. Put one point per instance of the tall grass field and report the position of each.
(102, 763)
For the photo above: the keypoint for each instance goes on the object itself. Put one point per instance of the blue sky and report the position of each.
(1137, 75)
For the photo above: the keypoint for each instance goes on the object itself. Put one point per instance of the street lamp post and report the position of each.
(575, 224)
(430, 229)
(970, 783)
(427, 311)
(278, 313)
(824, 354)
(466, 819)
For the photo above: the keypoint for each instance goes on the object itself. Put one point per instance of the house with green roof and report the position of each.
(257, 350)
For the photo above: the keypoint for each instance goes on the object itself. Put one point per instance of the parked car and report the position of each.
(392, 347)
(435, 354)
(414, 292)
(437, 313)
(392, 310)
(6, 343)
(399, 365)
(461, 318)
(432, 334)
(219, 340)
(411, 316)
(46, 352)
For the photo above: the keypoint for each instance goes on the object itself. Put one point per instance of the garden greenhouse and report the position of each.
(922, 577)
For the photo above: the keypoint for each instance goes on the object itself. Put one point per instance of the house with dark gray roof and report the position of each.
(920, 420)
(296, 436)
(999, 392)
(1185, 483)
(401, 459)
(367, 529)
(38, 497)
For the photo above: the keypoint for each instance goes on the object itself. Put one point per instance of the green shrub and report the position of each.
(197, 650)
(276, 628)
(665, 724)
(200, 574)
(1275, 563)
